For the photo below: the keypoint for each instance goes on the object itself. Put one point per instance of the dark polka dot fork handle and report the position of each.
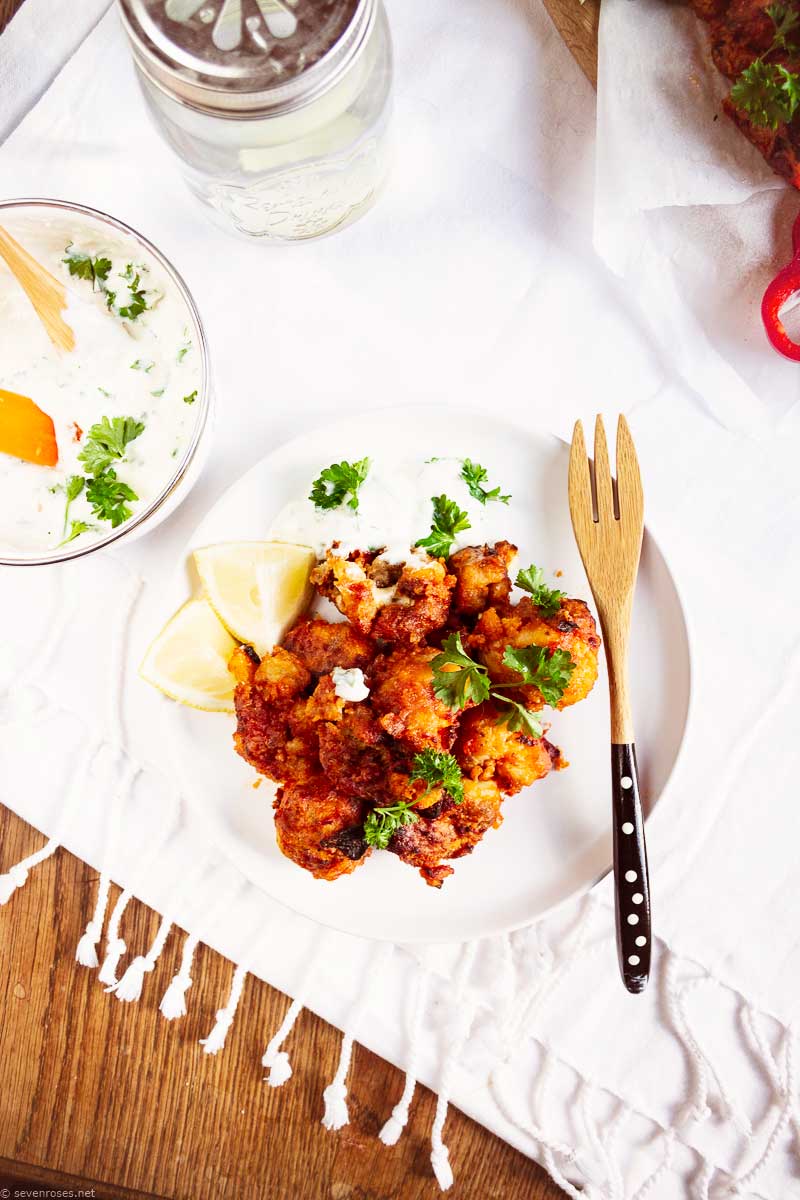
(631, 883)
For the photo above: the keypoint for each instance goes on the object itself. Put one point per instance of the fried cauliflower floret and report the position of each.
(346, 584)
(420, 607)
(276, 739)
(243, 664)
(320, 828)
(572, 629)
(354, 753)
(323, 703)
(488, 749)
(393, 604)
(431, 840)
(323, 645)
(281, 676)
(403, 696)
(481, 577)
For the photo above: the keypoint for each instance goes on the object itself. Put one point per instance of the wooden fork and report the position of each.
(46, 294)
(608, 519)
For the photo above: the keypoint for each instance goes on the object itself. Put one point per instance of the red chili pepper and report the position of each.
(785, 285)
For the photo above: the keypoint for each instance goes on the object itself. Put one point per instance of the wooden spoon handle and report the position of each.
(46, 294)
(631, 881)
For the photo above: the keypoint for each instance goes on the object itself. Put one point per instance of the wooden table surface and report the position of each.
(109, 1097)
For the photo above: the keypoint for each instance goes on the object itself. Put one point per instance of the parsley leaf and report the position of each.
(519, 718)
(382, 823)
(83, 266)
(469, 682)
(767, 92)
(136, 303)
(73, 488)
(109, 497)
(184, 350)
(143, 364)
(549, 672)
(337, 482)
(106, 442)
(474, 476)
(547, 600)
(448, 520)
(190, 399)
(786, 21)
(439, 769)
(96, 271)
(76, 529)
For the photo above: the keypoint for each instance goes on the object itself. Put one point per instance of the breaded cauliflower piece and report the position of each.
(354, 752)
(322, 645)
(393, 604)
(281, 676)
(320, 828)
(481, 577)
(572, 629)
(276, 739)
(428, 842)
(488, 749)
(421, 605)
(403, 696)
(346, 584)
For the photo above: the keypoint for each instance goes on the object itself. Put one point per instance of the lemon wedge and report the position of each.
(257, 589)
(188, 661)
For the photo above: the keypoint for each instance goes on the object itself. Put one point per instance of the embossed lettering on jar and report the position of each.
(277, 109)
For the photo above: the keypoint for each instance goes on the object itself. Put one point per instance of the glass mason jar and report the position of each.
(276, 109)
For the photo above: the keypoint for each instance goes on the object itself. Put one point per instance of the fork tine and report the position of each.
(629, 480)
(580, 483)
(602, 474)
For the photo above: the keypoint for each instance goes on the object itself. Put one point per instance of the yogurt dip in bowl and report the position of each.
(129, 406)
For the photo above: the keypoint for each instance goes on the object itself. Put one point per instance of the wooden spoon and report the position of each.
(46, 294)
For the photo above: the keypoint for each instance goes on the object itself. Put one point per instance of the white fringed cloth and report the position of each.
(474, 280)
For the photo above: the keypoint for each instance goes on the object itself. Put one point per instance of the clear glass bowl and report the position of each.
(189, 465)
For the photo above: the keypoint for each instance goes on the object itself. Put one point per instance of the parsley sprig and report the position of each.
(84, 266)
(448, 520)
(474, 476)
(108, 497)
(537, 666)
(439, 769)
(96, 269)
(72, 488)
(338, 481)
(75, 530)
(107, 441)
(383, 823)
(469, 682)
(135, 303)
(767, 91)
(547, 670)
(547, 600)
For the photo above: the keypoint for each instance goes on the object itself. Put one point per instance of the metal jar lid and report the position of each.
(246, 57)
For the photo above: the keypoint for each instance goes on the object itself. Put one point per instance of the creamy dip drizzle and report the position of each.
(349, 684)
(394, 511)
(140, 368)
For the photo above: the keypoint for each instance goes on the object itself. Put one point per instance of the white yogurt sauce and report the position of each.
(98, 379)
(349, 684)
(395, 510)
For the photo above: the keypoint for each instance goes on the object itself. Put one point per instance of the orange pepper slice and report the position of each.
(26, 431)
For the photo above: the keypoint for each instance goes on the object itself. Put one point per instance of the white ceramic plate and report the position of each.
(556, 838)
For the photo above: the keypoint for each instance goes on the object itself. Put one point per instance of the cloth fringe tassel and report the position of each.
(335, 1094)
(393, 1129)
